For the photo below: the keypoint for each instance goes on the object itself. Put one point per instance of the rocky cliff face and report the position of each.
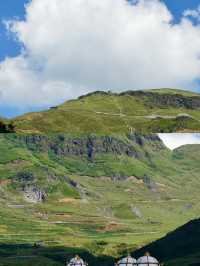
(89, 155)
(177, 100)
(163, 100)
(90, 146)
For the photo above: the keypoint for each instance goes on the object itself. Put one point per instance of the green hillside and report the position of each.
(97, 195)
(164, 110)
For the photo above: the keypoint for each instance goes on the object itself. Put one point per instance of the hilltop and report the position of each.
(150, 111)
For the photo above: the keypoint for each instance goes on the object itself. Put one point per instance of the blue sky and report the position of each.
(178, 6)
(10, 9)
(8, 47)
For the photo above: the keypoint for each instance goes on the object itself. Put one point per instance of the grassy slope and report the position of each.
(104, 113)
(99, 217)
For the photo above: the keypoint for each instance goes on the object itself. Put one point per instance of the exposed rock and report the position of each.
(73, 183)
(188, 206)
(26, 183)
(166, 99)
(136, 211)
(151, 184)
(119, 177)
(106, 211)
(34, 194)
(90, 146)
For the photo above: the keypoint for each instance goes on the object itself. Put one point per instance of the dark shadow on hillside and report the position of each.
(29, 255)
(183, 242)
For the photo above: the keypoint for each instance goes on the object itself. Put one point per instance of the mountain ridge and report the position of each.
(150, 111)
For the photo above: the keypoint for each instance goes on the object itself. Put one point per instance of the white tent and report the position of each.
(147, 261)
(128, 261)
(76, 262)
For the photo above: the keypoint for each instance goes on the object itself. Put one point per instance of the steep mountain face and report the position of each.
(90, 146)
(110, 113)
(87, 155)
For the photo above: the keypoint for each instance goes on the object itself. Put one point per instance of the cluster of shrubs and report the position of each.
(7, 127)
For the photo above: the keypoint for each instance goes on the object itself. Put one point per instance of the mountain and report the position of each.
(90, 177)
(180, 247)
(93, 194)
(164, 110)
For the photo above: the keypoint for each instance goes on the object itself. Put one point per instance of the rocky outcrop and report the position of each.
(136, 211)
(90, 146)
(165, 99)
(156, 99)
(150, 183)
(36, 185)
(34, 194)
(27, 184)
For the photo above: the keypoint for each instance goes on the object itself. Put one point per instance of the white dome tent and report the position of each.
(128, 261)
(76, 261)
(147, 260)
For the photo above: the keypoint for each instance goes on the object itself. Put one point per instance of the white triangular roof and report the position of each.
(147, 261)
(76, 262)
(127, 261)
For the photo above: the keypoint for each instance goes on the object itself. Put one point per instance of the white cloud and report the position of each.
(175, 140)
(193, 13)
(75, 46)
(23, 85)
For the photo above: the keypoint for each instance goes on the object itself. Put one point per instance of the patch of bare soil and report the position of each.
(5, 182)
(68, 200)
(135, 180)
(63, 215)
(112, 226)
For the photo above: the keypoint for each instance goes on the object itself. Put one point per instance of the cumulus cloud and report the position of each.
(175, 140)
(75, 46)
(22, 83)
(193, 13)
